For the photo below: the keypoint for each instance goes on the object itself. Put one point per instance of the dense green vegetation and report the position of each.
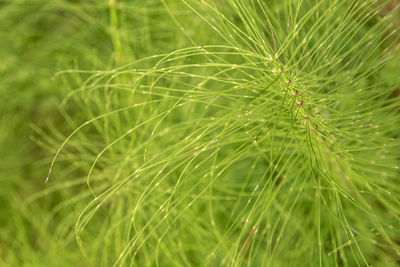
(199, 133)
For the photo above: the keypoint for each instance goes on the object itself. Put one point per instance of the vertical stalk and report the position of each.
(114, 29)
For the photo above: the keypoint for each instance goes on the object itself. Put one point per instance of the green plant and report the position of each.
(266, 134)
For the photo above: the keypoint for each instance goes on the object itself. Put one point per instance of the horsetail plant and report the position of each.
(268, 136)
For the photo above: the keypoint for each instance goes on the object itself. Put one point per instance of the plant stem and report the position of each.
(114, 30)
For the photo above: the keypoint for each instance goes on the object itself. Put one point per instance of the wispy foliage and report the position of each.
(217, 133)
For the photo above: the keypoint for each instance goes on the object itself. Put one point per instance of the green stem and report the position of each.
(114, 29)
